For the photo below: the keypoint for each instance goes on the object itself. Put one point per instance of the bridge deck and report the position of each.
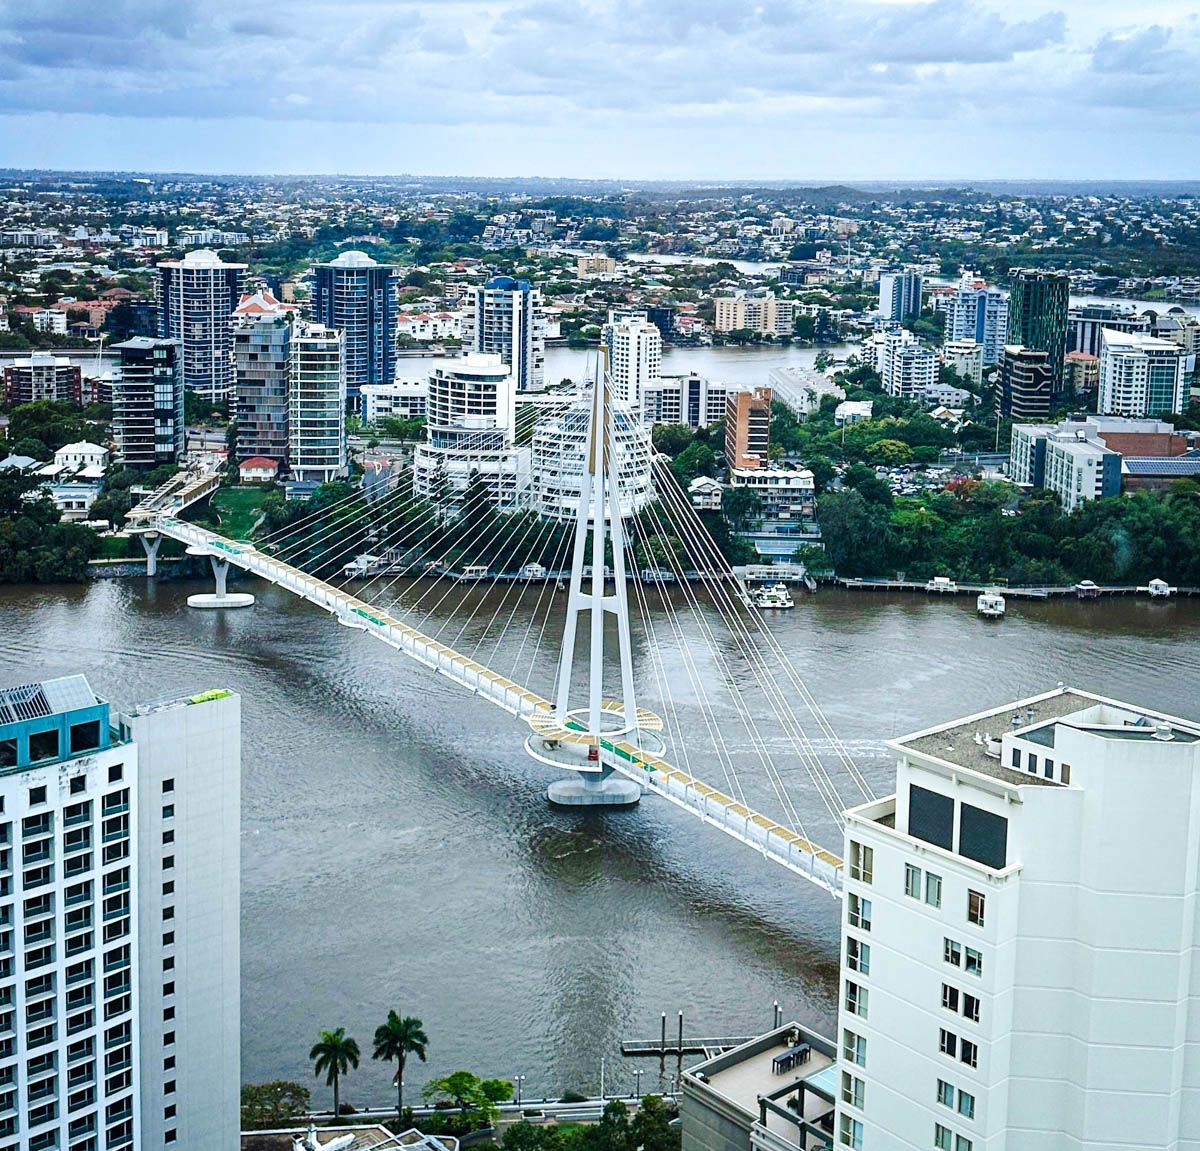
(652, 772)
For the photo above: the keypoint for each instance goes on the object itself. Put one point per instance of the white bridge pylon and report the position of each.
(574, 738)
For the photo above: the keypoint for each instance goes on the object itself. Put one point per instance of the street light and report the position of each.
(519, 1079)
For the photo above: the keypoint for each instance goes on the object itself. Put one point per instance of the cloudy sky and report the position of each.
(795, 89)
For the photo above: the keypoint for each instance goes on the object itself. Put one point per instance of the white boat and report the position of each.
(776, 597)
(990, 604)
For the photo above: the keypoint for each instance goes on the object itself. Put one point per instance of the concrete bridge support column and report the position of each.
(222, 597)
(150, 545)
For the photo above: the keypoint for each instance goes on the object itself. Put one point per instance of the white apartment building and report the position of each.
(634, 355)
(977, 312)
(689, 399)
(469, 430)
(430, 325)
(1140, 375)
(316, 405)
(905, 366)
(765, 315)
(50, 320)
(121, 906)
(802, 389)
(403, 400)
(560, 445)
(966, 358)
(1018, 964)
(189, 925)
(506, 317)
(196, 296)
(900, 294)
(786, 494)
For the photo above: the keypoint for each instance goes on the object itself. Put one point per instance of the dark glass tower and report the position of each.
(357, 296)
(1037, 318)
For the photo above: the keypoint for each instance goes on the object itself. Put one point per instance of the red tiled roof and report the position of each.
(257, 462)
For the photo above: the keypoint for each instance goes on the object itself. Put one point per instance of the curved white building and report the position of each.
(559, 448)
(471, 412)
(196, 297)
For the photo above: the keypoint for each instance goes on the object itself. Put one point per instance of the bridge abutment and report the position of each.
(221, 598)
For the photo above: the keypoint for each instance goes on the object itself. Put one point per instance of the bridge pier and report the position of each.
(150, 545)
(221, 598)
(591, 790)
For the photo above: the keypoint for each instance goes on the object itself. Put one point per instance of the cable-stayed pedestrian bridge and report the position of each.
(612, 750)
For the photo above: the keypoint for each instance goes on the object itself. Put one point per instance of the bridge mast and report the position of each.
(575, 738)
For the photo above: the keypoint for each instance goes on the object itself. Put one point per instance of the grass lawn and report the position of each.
(236, 509)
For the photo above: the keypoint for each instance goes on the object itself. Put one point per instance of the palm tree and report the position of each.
(398, 1039)
(334, 1054)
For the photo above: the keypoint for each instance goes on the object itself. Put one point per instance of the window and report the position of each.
(168, 1038)
(1016, 758)
(169, 887)
(1032, 763)
(912, 881)
(961, 1143)
(862, 862)
(947, 1043)
(945, 1093)
(966, 1105)
(952, 952)
(169, 963)
(950, 998)
(858, 955)
(856, 999)
(942, 1138)
(37, 795)
(854, 1049)
(168, 786)
(970, 1053)
(854, 1090)
(933, 889)
(975, 905)
(858, 912)
(168, 938)
(168, 989)
(170, 1136)
(168, 862)
(169, 1063)
(43, 745)
(78, 784)
(169, 912)
(85, 736)
(974, 962)
(970, 1007)
(1064, 772)
(8, 753)
(851, 1133)
(168, 811)
(168, 837)
(116, 773)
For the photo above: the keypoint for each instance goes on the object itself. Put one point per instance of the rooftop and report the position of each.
(964, 742)
(48, 697)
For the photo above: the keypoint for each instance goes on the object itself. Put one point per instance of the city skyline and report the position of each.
(876, 89)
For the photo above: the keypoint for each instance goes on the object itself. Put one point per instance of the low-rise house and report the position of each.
(258, 470)
(82, 455)
(705, 494)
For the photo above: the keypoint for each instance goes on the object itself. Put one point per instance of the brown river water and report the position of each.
(398, 850)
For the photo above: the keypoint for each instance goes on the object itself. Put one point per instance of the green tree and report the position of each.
(35, 546)
(856, 534)
(273, 1104)
(740, 506)
(333, 1055)
(397, 1039)
(651, 1128)
(475, 1098)
(612, 1132)
(671, 439)
(696, 460)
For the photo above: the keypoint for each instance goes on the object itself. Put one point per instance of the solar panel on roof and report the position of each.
(69, 693)
(1153, 466)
